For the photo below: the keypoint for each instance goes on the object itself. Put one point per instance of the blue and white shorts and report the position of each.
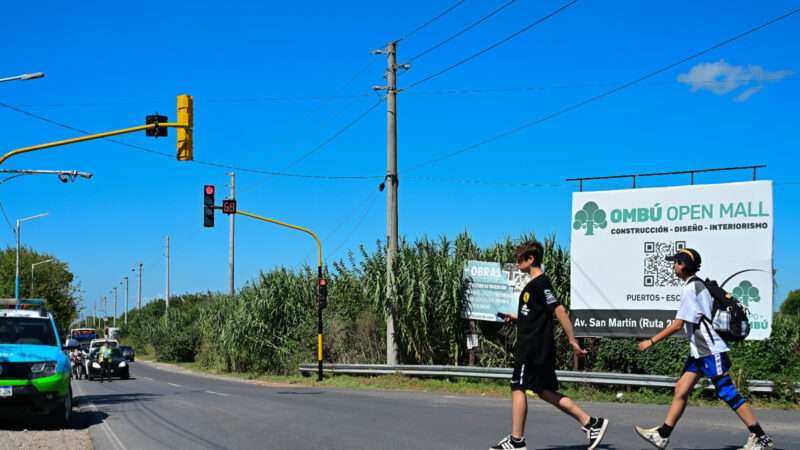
(709, 366)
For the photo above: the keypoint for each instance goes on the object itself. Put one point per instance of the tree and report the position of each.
(791, 306)
(54, 283)
(589, 217)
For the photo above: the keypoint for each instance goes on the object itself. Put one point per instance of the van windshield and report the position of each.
(26, 330)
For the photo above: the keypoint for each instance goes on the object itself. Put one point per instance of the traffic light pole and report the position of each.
(321, 284)
(184, 112)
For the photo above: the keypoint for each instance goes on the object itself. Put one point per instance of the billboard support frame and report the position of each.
(692, 173)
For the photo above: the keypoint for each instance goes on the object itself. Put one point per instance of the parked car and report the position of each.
(97, 343)
(128, 353)
(35, 373)
(119, 365)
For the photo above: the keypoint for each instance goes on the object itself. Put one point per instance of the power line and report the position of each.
(486, 182)
(5, 216)
(321, 106)
(195, 161)
(605, 94)
(456, 35)
(493, 46)
(335, 135)
(442, 92)
(324, 144)
(206, 101)
(434, 19)
(358, 224)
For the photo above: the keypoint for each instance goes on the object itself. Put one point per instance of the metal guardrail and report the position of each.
(621, 379)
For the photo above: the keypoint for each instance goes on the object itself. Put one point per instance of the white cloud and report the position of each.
(722, 78)
(749, 92)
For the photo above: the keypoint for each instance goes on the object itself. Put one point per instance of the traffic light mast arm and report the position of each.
(321, 297)
(90, 138)
(288, 225)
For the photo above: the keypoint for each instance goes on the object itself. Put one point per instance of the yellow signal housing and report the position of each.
(185, 133)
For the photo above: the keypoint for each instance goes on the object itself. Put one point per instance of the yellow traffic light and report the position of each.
(185, 133)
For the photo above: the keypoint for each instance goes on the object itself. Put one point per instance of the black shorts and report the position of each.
(534, 377)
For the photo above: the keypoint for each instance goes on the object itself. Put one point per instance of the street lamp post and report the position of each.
(33, 268)
(64, 176)
(23, 77)
(115, 306)
(126, 301)
(17, 231)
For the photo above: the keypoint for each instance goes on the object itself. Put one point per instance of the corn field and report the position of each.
(269, 326)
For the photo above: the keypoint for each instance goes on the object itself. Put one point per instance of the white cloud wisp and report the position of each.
(722, 78)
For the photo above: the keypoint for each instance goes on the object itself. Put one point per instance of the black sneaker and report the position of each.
(507, 443)
(596, 432)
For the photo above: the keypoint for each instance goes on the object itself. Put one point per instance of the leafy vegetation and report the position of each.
(53, 282)
(269, 327)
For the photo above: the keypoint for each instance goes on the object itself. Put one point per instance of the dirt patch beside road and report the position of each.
(45, 440)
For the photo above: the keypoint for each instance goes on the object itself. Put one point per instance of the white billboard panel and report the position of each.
(621, 284)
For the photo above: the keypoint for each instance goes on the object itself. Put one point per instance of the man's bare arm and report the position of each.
(673, 328)
(563, 318)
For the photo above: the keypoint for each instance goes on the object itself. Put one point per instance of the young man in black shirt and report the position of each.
(535, 366)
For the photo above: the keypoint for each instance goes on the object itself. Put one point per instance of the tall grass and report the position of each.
(269, 326)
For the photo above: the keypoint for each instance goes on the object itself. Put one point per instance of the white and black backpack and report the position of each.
(728, 315)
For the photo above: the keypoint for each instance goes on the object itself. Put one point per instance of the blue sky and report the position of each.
(257, 71)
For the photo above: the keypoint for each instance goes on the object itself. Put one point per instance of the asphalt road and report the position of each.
(165, 409)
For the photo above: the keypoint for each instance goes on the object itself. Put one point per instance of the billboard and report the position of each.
(492, 288)
(621, 285)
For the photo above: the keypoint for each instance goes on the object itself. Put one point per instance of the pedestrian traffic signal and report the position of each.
(185, 133)
(323, 292)
(156, 131)
(208, 205)
(229, 206)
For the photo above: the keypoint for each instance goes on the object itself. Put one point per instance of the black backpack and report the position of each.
(728, 315)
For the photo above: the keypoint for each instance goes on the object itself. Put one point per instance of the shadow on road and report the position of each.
(114, 399)
(81, 420)
(300, 393)
(729, 447)
(573, 447)
(83, 416)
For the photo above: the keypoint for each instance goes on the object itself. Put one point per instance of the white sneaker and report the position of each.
(751, 441)
(755, 443)
(651, 435)
(509, 444)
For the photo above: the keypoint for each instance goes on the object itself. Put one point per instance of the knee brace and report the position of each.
(727, 392)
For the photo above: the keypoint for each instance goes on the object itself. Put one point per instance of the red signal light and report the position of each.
(209, 189)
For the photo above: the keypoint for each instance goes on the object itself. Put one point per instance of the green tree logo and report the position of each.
(746, 293)
(589, 217)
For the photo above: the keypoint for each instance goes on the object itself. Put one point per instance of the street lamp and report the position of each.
(24, 76)
(64, 176)
(33, 267)
(17, 231)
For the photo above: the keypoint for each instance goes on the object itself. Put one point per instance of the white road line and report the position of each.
(115, 441)
(173, 384)
(147, 378)
(217, 393)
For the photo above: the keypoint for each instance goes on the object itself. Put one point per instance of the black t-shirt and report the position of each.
(535, 341)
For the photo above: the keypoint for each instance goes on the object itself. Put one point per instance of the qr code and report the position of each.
(657, 270)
